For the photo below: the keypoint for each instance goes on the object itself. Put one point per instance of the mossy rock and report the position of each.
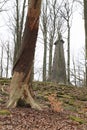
(5, 112)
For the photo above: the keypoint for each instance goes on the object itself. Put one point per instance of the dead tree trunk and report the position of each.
(23, 66)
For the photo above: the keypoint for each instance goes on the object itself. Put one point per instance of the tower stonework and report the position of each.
(58, 68)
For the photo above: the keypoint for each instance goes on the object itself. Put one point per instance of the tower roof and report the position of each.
(61, 41)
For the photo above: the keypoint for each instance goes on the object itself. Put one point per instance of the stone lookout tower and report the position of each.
(58, 68)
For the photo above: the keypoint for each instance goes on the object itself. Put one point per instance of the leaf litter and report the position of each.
(57, 116)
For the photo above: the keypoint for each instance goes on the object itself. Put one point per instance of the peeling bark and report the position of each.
(23, 66)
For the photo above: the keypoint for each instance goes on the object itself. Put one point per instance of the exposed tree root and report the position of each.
(29, 99)
(3, 91)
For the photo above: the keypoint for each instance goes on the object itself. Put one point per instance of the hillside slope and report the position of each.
(65, 108)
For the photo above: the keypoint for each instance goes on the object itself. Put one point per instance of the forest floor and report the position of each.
(66, 108)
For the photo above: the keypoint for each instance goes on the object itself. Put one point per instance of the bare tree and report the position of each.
(2, 4)
(8, 58)
(23, 66)
(78, 71)
(66, 13)
(52, 29)
(19, 22)
(49, 30)
(43, 26)
(85, 23)
(74, 73)
(1, 64)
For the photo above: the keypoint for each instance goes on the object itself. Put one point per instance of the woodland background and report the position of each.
(56, 17)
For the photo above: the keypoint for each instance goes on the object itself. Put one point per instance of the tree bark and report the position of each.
(68, 53)
(85, 18)
(50, 59)
(7, 68)
(44, 32)
(23, 66)
(1, 67)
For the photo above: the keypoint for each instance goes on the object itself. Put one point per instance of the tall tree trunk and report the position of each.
(22, 22)
(45, 58)
(68, 53)
(44, 32)
(85, 17)
(7, 68)
(19, 21)
(23, 66)
(1, 67)
(50, 59)
(74, 69)
(52, 31)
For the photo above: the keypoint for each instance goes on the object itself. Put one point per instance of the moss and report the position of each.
(82, 98)
(2, 101)
(5, 112)
(77, 119)
(4, 81)
(70, 108)
(64, 96)
(67, 96)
